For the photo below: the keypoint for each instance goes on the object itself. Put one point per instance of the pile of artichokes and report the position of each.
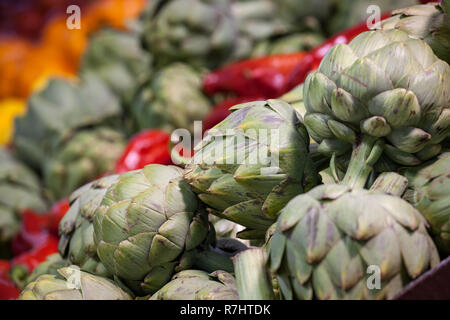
(301, 197)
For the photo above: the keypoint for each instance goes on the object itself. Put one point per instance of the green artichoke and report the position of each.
(211, 33)
(199, 32)
(148, 227)
(19, 189)
(321, 162)
(198, 285)
(385, 96)
(50, 266)
(252, 163)
(73, 285)
(86, 156)
(257, 21)
(57, 113)
(76, 228)
(172, 99)
(330, 242)
(429, 192)
(117, 58)
(21, 276)
(430, 22)
(290, 43)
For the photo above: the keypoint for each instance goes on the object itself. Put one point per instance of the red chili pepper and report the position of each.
(221, 111)
(8, 290)
(149, 146)
(265, 76)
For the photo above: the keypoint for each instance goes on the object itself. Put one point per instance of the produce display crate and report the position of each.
(432, 285)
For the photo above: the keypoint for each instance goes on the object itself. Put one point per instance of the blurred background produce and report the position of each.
(35, 44)
(80, 108)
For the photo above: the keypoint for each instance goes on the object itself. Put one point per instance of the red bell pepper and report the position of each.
(221, 111)
(23, 264)
(4, 265)
(57, 212)
(256, 77)
(32, 232)
(36, 240)
(146, 147)
(8, 289)
(36, 227)
(272, 76)
(48, 244)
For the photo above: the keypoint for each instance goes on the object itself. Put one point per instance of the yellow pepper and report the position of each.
(9, 109)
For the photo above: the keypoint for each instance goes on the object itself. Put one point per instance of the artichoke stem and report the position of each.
(365, 154)
(391, 183)
(252, 277)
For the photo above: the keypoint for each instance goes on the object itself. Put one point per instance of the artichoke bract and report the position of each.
(148, 227)
(430, 22)
(19, 189)
(384, 96)
(338, 243)
(58, 112)
(172, 99)
(251, 164)
(76, 228)
(253, 280)
(295, 99)
(117, 58)
(86, 156)
(73, 284)
(199, 32)
(199, 285)
(429, 192)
